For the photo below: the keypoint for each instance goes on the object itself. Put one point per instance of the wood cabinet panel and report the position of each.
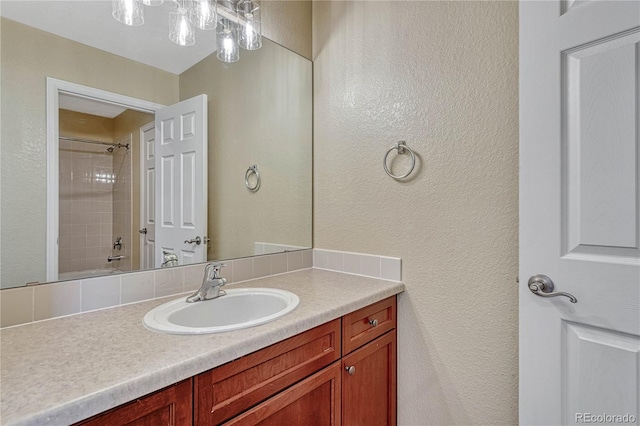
(357, 327)
(232, 388)
(369, 394)
(171, 406)
(314, 401)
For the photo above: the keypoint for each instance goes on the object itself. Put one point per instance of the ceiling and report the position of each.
(89, 106)
(90, 22)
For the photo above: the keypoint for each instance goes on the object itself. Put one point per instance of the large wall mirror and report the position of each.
(88, 108)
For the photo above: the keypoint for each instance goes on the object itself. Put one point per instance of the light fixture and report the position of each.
(181, 30)
(129, 12)
(237, 22)
(250, 37)
(227, 41)
(204, 14)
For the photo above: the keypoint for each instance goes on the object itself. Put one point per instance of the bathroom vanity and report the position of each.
(332, 360)
(343, 371)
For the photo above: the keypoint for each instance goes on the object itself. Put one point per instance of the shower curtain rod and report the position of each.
(115, 145)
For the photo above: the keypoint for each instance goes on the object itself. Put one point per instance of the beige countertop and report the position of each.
(60, 371)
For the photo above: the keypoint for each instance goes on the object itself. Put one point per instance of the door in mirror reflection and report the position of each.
(147, 229)
(181, 182)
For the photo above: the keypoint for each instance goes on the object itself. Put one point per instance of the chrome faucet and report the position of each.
(170, 259)
(211, 284)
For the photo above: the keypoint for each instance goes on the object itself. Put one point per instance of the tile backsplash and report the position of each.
(386, 268)
(35, 303)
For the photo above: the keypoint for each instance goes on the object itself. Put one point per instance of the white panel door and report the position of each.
(181, 180)
(580, 211)
(147, 196)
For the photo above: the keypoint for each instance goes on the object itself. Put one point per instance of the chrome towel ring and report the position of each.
(253, 170)
(402, 148)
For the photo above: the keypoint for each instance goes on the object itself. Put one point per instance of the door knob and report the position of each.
(143, 231)
(196, 240)
(541, 285)
(373, 322)
(351, 369)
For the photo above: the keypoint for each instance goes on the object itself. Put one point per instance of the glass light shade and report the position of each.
(204, 14)
(129, 12)
(250, 36)
(152, 2)
(181, 31)
(227, 41)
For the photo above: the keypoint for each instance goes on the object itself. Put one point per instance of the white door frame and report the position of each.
(54, 88)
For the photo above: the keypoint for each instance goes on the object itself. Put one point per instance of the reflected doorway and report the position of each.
(93, 171)
(97, 187)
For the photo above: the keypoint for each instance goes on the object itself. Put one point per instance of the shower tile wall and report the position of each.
(122, 206)
(86, 206)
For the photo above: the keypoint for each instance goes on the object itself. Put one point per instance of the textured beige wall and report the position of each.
(268, 123)
(288, 23)
(28, 57)
(443, 76)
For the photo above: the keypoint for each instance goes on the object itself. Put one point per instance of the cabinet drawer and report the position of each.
(315, 401)
(230, 389)
(363, 326)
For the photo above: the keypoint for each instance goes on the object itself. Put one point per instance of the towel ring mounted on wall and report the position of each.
(402, 148)
(253, 170)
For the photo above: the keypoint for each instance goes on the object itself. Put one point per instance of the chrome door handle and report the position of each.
(143, 231)
(541, 285)
(351, 369)
(196, 240)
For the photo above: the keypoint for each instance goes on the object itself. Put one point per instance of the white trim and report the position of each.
(143, 190)
(54, 87)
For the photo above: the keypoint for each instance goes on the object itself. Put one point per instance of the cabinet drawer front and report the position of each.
(315, 401)
(228, 390)
(359, 327)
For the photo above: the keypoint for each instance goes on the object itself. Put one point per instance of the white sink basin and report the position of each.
(239, 308)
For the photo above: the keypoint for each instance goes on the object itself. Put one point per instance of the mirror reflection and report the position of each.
(118, 203)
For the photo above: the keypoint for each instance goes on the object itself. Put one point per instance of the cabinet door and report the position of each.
(369, 384)
(314, 401)
(171, 406)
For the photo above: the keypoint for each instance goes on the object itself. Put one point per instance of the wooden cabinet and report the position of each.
(230, 389)
(369, 365)
(369, 383)
(366, 324)
(314, 401)
(170, 406)
(339, 373)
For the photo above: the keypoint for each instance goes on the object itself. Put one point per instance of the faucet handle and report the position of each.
(213, 268)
